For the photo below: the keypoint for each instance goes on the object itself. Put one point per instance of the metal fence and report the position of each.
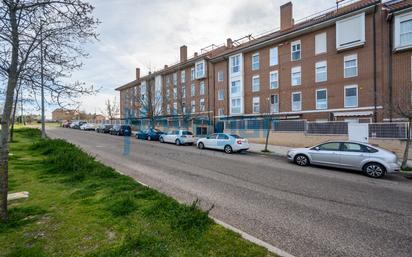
(327, 128)
(397, 130)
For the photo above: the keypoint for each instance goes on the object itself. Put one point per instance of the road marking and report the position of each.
(245, 235)
(253, 239)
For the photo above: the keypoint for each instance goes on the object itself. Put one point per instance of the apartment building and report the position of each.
(349, 63)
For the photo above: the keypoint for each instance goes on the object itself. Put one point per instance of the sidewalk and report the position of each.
(274, 149)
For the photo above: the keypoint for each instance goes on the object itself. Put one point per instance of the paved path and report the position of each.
(306, 211)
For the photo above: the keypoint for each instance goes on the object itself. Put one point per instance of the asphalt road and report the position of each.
(306, 211)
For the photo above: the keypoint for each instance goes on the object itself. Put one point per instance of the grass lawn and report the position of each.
(79, 207)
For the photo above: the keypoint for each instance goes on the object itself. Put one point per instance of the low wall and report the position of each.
(300, 139)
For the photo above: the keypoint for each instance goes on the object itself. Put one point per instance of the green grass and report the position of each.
(80, 207)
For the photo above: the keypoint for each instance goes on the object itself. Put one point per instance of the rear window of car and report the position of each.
(236, 136)
(187, 133)
(222, 136)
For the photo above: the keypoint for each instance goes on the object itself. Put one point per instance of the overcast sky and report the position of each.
(148, 34)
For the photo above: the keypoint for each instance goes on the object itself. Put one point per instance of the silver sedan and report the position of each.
(375, 162)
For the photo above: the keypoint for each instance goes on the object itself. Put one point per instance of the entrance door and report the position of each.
(358, 132)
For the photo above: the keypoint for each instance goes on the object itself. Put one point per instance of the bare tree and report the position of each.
(53, 30)
(404, 109)
(112, 109)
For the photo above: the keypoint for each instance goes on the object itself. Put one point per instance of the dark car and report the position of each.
(77, 125)
(149, 134)
(104, 128)
(121, 130)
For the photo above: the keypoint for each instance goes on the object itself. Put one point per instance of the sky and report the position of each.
(148, 34)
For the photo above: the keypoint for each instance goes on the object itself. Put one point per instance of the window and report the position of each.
(221, 94)
(332, 146)
(168, 93)
(256, 104)
(351, 96)
(320, 43)
(168, 109)
(352, 147)
(193, 90)
(167, 81)
(321, 99)
(200, 69)
(175, 78)
(192, 73)
(255, 83)
(202, 105)
(350, 64)
(221, 112)
(296, 76)
(274, 103)
(295, 50)
(321, 71)
(235, 88)
(202, 88)
(175, 93)
(296, 101)
(220, 76)
(273, 60)
(174, 108)
(403, 31)
(183, 76)
(193, 106)
(350, 32)
(183, 91)
(255, 61)
(235, 61)
(274, 79)
(235, 105)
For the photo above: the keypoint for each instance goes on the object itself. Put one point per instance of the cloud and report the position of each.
(140, 33)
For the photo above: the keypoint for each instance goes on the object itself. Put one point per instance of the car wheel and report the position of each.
(201, 145)
(178, 142)
(301, 160)
(161, 140)
(149, 138)
(228, 149)
(374, 170)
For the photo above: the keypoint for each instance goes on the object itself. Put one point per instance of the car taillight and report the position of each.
(239, 142)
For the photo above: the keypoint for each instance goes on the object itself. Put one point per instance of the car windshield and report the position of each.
(187, 133)
(236, 136)
(125, 127)
(156, 130)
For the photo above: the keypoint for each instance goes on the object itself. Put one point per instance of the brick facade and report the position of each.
(382, 75)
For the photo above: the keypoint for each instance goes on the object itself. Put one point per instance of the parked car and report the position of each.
(227, 142)
(88, 126)
(103, 128)
(77, 124)
(178, 137)
(149, 134)
(66, 124)
(375, 162)
(121, 130)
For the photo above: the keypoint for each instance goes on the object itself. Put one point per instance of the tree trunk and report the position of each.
(406, 152)
(267, 135)
(14, 114)
(5, 121)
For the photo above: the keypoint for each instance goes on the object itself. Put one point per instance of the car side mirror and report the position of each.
(317, 148)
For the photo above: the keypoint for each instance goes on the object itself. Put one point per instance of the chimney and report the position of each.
(195, 54)
(286, 16)
(183, 53)
(229, 43)
(137, 73)
(166, 66)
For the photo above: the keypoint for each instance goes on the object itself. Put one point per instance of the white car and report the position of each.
(178, 137)
(375, 162)
(88, 126)
(227, 142)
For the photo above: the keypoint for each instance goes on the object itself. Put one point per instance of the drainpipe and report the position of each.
(389, 20)
(214, 97)
(375, 96)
